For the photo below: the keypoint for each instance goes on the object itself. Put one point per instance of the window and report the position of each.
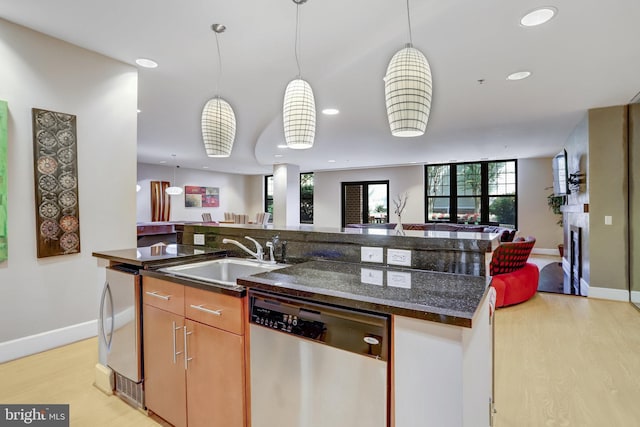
(365, 202)
(268, 195)
(306, 197)
(478, 193)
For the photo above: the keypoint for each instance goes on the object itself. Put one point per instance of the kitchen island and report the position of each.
(440, 341)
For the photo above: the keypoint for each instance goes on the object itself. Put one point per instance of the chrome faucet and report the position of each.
(258, 254)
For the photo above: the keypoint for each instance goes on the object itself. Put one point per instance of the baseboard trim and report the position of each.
(608, 294)
(32, 344)
(584, 288)
(544, 251)
(635, 297)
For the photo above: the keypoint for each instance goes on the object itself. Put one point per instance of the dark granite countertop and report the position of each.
(434, 296)
(153, 256)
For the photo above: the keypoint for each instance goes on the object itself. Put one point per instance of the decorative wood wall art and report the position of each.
(4, 248)
(56, 183)
(160, 201)
(201, 197)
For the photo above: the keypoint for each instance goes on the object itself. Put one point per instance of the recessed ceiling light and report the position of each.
(163, 161)
(330, 111)
(538, 16)
(146, 63)
(412, 163)
(278, 155)
(139, 111)
(332, 161)
(283, 146)
(205, 167)
(519, 75)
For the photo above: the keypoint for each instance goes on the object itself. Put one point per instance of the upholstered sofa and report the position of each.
(506, 234)
(514, 279)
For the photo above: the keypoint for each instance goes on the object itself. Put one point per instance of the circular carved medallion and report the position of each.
(47, 165)
(47, 183)
(49, 229)
(67, 199)
(69, 241)
(48, 210)
(67, 181)
(69, 223)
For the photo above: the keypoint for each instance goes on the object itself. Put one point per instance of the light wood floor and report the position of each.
(65, 375)
(564, 360)
(561, 360)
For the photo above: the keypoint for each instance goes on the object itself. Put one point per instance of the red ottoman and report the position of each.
(517, 286)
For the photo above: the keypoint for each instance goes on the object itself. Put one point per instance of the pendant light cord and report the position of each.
(297, 36)
(409, 21)
(219, 65)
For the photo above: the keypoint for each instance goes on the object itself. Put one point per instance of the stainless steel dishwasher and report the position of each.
(314, 365)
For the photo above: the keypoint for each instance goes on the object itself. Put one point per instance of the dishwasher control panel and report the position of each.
(347, 329)
(287, 319)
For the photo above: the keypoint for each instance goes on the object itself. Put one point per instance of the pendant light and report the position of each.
(299, 109)
(174, 190)
(407, 90)
(218, 119)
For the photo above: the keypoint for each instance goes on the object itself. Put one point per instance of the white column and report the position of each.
(286, 195)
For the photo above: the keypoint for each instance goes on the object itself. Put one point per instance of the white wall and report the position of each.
(40, 295)
(327, 206)
(535, 182)
(237, 192)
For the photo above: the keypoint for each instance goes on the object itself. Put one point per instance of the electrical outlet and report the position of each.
(399, 257)
(371, 277)
(198, 239)
(399, 279)
(371, 254)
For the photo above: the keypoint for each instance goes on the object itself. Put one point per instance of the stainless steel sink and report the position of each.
(222, 270)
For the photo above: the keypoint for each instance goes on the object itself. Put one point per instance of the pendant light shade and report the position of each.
(218, 127)
(407, 90)
(299, 115)
(174, 190)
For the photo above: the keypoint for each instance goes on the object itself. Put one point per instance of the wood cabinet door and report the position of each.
(165, 387)
(215, 377)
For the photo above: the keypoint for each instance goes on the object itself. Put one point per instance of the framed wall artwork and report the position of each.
(201, 197)
(56, 183)
(4, 244)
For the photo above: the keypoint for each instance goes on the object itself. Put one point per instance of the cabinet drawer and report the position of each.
(215, 309)
(162, 294)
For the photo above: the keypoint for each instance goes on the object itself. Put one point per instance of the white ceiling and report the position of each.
(587, 56)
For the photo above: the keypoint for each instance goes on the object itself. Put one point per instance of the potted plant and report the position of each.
(555, 202)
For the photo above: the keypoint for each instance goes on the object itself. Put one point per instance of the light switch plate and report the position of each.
(399, 257)
(371, 254)
(198, 239)
(608, 220)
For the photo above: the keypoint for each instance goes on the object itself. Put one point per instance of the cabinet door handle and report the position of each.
(173, 331)
(157, 295)
(187, 359)
(207, 310)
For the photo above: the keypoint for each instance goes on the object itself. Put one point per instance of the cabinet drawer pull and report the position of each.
(157, 295)
(206, 310)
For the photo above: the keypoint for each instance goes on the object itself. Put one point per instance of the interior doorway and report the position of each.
(365, 202)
